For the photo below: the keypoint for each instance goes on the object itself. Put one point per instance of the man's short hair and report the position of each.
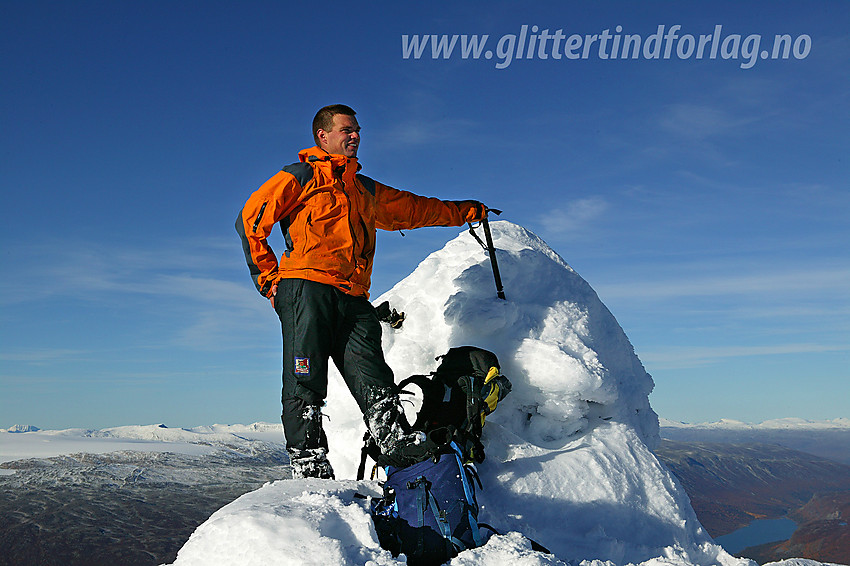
(324, 119)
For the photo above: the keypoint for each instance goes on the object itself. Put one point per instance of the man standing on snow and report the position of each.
(328, 213)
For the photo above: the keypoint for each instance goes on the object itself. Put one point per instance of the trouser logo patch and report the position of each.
(302, 366)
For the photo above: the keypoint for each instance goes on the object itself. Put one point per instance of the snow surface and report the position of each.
(568, 451)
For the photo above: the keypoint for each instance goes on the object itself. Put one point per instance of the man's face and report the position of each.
(343, 138)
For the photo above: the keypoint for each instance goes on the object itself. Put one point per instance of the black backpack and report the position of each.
(466, 386)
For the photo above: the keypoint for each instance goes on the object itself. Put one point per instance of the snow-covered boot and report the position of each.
(399, 445)
(310, 463)
(307, 444)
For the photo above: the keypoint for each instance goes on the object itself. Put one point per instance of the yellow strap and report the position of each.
(493, 397)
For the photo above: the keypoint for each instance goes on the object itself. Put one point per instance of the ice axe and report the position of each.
(491, 251)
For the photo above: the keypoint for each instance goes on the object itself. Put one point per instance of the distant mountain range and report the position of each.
(828, 439)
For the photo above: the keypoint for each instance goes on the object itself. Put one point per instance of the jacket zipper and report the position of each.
(350, 225)
(260, 216)
(367, 237)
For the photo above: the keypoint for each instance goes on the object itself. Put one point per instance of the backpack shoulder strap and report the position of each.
(433, 393)
(422, 381)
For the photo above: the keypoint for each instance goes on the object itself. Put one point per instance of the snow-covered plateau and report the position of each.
(828, 439)
(569, 451)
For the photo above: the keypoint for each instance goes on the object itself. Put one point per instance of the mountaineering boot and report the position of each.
(306, 442)
(310, 463)
(399, 445)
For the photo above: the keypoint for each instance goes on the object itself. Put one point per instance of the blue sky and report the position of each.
(708, 204)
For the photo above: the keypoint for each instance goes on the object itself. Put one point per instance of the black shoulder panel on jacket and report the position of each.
(301, 171)
(368, 183)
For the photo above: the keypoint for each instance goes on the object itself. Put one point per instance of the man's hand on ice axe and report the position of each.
(484, 213)
(471, 210)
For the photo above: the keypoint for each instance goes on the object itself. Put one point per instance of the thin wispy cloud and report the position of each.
(832, 280)
(574, 217)
(184, 288)
(418, 132)
(41, 355)
(700, 121)
(89, 270)
(690, 357)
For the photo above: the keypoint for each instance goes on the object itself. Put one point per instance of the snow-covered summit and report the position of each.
(568, 458)
(570, 363)
(567, 356)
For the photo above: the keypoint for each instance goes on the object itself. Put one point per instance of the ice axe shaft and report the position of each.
(500, 292)
(491, 251)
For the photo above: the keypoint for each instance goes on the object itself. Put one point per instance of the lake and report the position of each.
(759, 531)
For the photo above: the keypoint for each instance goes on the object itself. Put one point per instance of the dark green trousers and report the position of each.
(321, 323)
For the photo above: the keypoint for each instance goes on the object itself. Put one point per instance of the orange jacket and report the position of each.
(328, 214)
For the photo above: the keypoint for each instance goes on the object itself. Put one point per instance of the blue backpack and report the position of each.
(429, 511)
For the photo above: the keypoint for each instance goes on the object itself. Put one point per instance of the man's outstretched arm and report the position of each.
(403, 210)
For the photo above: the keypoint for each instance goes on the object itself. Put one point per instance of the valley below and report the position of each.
(128, 508)
(732, 485)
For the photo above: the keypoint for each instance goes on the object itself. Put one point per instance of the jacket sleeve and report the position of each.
(402, 210)
(274, 200)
